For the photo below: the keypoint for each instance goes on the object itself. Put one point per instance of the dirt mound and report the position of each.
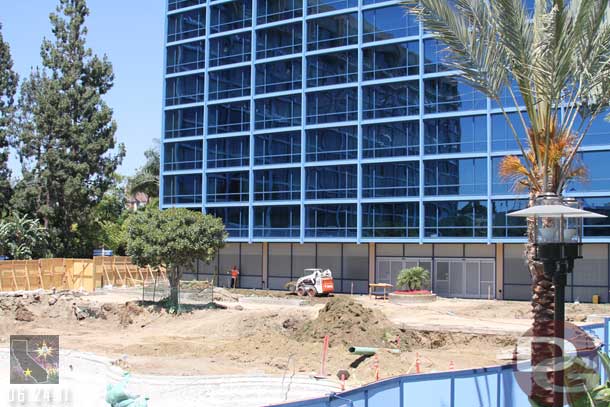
(348, 323)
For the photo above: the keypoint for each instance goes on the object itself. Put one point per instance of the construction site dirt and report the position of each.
(279, 334)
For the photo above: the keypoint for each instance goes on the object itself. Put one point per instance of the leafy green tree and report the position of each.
(413, 278)
(66, 139)
(555, 61)
(21, 237)
(8, 88)
(109, 231)
(146, 179)
(173, 239)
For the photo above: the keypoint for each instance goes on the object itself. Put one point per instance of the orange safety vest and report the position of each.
(234, 273)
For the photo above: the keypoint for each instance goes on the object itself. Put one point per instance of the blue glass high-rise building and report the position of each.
(330, 134)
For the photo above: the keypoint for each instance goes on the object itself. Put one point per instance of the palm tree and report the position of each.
(146, 178)
(555, 62)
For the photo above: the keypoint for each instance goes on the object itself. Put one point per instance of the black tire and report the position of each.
(301, 291)
(311, 292)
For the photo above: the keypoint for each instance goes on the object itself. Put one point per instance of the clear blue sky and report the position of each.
(130, 32)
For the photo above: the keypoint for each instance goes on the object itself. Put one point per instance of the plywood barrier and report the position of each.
(74, 274)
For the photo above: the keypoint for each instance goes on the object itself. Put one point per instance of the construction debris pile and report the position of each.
(28, 306)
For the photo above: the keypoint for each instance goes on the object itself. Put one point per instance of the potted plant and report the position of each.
(413, 279)
(412, 284)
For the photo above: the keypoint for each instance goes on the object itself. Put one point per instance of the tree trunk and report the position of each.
(174, 284)
(543, 310)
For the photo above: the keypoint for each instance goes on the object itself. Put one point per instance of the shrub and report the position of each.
(413, 278)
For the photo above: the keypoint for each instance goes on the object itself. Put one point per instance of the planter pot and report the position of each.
(405, 298)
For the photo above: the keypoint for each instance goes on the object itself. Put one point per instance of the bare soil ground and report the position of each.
(275, 337)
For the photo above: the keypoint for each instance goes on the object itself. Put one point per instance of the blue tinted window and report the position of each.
(332, 182)
(184, 89)
(182, 189)
(599, 132)
(229, 83)
(229, 117)
(278, 111)
(464, 176)
(277, 148)
(391, 60)
(499, 185)
(434, 56)
(505, 226)
(278, 76)
(390, 139)
(332, 106)
(330, 220)
(184, 122)
(456, 219)
(183, 155)
(185, 25)
(279, 40)
(323, 6)
(176, 4)
(506, 99)
(390, 99)
(598, 176)
(447, 94)
(276, 10)
(387, 23)
(277, 184)
(333, 68)
(185, 57)
(230, 49)
(336, 143)
(228, 187)
(332, 31)
(277, 221)
(228, 152)
(390, 220)
(231, 16)
(390, 179)
(502, 137)
(466, 134)
(597, 227)
(234, 218)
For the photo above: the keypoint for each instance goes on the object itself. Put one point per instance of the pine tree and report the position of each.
(8, 88)
(67, 134)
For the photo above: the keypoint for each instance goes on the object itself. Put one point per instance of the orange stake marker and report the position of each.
(417, 365)
(451, 365)
(376, 367)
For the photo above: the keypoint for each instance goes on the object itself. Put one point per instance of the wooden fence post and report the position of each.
(40, 273)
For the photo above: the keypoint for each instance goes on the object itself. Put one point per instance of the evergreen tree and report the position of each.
(8, 88)
(66, 140)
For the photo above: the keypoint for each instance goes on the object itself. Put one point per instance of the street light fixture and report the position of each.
(557, 243)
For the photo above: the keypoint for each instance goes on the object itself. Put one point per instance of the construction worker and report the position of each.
(234, 276)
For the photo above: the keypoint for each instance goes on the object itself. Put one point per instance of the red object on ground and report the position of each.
(417, 366)
(324, 355)
(451, 365)
(342, 382)
(412, 292)
(376, 367)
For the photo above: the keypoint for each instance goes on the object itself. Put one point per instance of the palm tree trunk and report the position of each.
(543, 310)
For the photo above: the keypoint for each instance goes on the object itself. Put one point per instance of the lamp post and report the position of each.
(557, 243)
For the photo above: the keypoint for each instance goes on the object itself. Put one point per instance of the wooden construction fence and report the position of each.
(73, 274)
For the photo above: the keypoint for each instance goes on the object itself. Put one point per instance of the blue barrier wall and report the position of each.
(486, 387)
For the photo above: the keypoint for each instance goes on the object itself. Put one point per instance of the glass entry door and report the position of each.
(465, 278)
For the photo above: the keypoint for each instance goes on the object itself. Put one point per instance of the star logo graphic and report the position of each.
(44, 351)
(27, 373)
